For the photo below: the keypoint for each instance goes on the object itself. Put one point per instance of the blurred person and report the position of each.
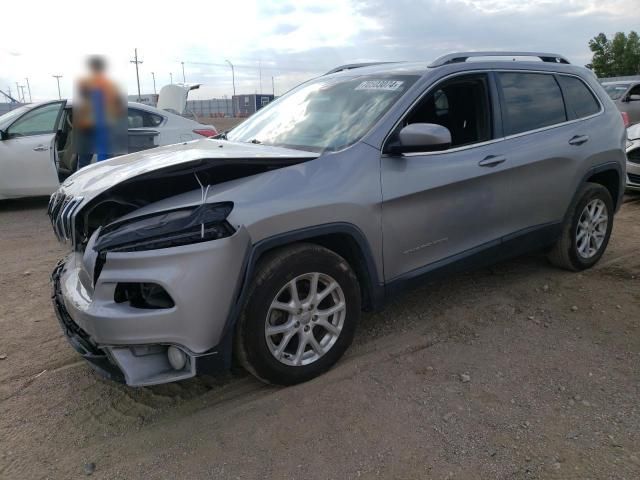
(98, 115)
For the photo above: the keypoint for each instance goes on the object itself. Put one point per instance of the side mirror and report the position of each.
(421, 137)
(3, 135)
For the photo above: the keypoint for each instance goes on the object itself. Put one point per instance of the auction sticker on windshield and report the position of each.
(391, 85)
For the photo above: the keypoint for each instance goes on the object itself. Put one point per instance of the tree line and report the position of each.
(615, 57)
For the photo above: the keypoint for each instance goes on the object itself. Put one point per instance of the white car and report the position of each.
(633, 157)
(36, 140)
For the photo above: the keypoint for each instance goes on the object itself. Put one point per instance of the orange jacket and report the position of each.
(83, 114)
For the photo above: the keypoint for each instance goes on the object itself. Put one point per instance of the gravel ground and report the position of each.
(518, 371)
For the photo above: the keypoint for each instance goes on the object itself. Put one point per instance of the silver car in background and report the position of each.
(267, 242)
(626, 96)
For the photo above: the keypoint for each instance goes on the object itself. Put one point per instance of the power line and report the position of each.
(274, 68)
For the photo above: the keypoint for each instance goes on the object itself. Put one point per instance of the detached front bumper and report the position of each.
(130, 344)
(78, 338)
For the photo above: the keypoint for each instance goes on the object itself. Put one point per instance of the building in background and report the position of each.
(246, 105)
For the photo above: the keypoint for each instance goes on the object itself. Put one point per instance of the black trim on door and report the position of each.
(510, 246)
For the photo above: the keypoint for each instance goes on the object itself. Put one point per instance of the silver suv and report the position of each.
(268, 241)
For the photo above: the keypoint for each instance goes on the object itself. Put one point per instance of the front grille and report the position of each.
(633, 178)
(62, 211)
(634, 156)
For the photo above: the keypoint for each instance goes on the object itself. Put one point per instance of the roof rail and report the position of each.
(460, 57)
(351, 66)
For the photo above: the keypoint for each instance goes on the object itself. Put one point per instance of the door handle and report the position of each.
(492, 160)
(578, 139)
(41, 148)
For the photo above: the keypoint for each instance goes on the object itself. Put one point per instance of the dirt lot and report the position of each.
(553, 386)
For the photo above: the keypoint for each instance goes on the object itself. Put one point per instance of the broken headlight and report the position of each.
(167, 229)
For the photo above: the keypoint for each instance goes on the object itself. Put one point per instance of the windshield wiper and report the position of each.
(221, 136)
(256, 141)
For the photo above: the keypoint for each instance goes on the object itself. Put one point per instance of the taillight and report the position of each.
(206, 132)
(625, 119)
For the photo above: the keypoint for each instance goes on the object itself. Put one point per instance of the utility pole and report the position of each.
(58, 77)
(183, 79)
(233, 80)
(273, 86)
(260, 74)
(18, 93)
(24, 99)
(171, 76)
(154, 83)
(137, 62)
(29, 90)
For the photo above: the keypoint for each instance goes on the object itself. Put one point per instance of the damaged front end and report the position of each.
(146, 291)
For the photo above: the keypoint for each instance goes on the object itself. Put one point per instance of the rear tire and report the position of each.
(586, 231)
(291, 331)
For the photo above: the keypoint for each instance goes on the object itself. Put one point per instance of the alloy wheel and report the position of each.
(592, 228)
(305, 319)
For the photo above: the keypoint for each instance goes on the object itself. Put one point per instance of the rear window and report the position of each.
(579, 99)
(615, 90)
(531, 101)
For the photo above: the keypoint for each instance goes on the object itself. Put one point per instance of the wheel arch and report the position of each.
(345, 239)
(610, 176)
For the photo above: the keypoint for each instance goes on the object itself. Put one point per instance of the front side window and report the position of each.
(530, 101)
(328, 113)
(142, 119)
(461, 105)
(37, 121)
(579, 99)
(634, 94)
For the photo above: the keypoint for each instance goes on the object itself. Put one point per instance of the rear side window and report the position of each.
(530, 101)
(579, 99)
(142, 119)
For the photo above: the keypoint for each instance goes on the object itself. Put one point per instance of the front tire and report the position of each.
(586, 231)
(300, 316)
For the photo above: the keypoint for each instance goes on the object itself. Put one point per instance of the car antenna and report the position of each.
(205, 193)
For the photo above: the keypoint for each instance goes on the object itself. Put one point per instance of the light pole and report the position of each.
(137, 62)
(154, 83)
(183, 79)
(171, 77)
(58, 77)
(29, 90)
(233, 79)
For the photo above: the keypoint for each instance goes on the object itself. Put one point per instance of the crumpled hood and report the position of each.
(95, 179)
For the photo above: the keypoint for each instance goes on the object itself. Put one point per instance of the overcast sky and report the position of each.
(290, 40)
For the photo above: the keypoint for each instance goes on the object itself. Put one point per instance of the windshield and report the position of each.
(324, 114)
(8, 117)
(615, 90)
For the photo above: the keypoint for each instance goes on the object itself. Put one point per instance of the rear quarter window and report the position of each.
(579, 99)
(530, 101)
(142, 119)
